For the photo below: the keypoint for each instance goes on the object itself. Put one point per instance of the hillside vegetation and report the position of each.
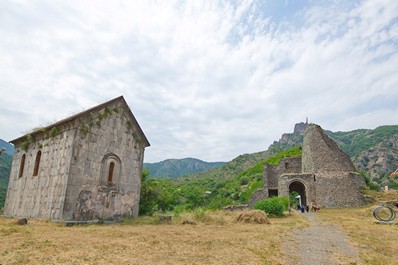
(5, 168)
(212, 193)
(357, 141)
(174, 168)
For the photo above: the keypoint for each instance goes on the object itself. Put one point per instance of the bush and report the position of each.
(374, 186)
(274, 206)
(285, 202)
(369, 182)
(219, 202)
(201, 215)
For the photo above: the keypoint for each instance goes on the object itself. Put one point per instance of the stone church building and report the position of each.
(85, 167)
(323, 175)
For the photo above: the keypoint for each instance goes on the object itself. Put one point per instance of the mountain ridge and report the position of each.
(174, 168)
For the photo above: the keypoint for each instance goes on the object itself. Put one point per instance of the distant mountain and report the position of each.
(173, 168)
(9, 147)
(230, 169)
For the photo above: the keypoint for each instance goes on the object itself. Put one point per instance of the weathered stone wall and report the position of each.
(90, 167)
(42, 195)
(306, 179)
(258, 195)
(89, 195)
(336, 183)
(286, 166)
(321, 154)
(339, 190)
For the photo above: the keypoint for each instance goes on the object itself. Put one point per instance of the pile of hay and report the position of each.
(253, 217)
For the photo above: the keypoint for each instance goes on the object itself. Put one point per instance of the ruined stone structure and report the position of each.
(85, 167)
(324, 175)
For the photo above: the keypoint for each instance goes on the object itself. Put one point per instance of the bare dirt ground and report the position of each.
(319, 243)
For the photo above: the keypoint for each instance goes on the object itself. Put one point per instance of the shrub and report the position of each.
(219, 202)
(274, 206)
(201, 215)
(369, 182)
(285, 202)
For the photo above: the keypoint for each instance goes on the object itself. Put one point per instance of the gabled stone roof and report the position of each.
(142, 136)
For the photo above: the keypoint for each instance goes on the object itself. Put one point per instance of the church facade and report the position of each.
(85, 167)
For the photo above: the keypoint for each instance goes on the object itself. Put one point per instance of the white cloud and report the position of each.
(204, 79)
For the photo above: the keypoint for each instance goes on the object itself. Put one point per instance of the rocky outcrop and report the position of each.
(380, 160)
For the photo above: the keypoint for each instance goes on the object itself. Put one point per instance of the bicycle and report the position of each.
(385, 213)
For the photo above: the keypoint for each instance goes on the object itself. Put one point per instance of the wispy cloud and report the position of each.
(207, 79)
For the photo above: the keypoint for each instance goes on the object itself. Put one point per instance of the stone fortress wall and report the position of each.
(336, 183)
(321, 154)
(40, 195)
(324, 175)
(286, 166)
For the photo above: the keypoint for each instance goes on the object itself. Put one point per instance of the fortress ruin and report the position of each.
(324, 175)
(84, 167)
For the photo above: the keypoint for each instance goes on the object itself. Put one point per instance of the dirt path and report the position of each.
(319, 244)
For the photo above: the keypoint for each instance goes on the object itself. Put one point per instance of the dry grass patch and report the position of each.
(253, 217)
(216, 239)
(376, 243)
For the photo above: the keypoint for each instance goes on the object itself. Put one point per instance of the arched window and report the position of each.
(37, 163)
(22, 166)
(110, 173)
(110, 169)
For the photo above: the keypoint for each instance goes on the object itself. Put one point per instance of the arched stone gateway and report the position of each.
(299, 187)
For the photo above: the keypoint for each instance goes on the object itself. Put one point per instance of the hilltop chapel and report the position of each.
(84, 167)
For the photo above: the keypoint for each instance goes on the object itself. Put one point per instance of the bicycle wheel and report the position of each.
(384, 213)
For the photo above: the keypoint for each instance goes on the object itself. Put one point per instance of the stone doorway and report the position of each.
(299, 187)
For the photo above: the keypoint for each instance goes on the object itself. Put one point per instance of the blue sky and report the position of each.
(205, 79)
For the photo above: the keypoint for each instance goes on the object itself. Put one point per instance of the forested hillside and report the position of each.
(213, 193)
(174, 168)
(5, 168)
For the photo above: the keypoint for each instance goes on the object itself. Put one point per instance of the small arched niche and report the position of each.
(111, 168)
